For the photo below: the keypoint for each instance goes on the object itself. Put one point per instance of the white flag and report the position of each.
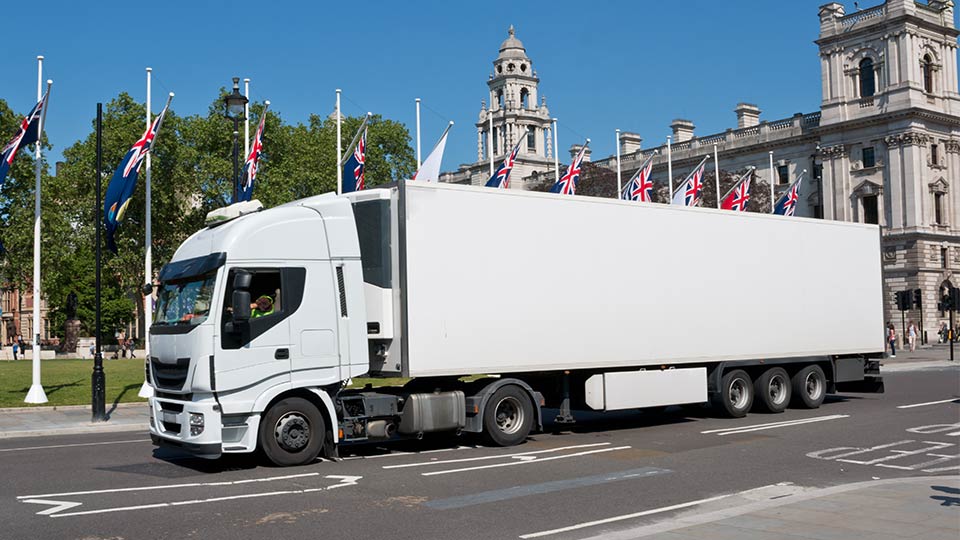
(430, 169)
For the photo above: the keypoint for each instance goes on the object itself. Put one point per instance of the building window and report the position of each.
(943, 257)
(500, 98)
(934, 155)
(783, 174)
(496, 141)
(926, 68)
(869, 160)
(938, 208)
(531, 140)
(818, 211)
(524, 98)
(867, 82)
(870, 210)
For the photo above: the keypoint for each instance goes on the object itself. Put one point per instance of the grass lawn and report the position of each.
(67, 382)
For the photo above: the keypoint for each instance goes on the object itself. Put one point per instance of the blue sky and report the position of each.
(632, 65)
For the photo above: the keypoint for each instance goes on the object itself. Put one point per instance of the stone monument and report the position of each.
(71, 327)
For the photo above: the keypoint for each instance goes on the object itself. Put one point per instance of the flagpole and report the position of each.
(556, 154)
(36, 393)
(354, 141)
(619, 183)
(339, 151)
(716, 173)
(670, 168)
(773, 200)
(750, 171)
(246, 119)
(418, 134)
(145, 389)
(490, 137)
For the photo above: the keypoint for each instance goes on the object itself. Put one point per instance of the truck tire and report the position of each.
(507, 417)
(292, 432)
(736, 394)
(809, 387)
(773, 390)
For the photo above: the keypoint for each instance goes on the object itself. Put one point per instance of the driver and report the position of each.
(262, 307)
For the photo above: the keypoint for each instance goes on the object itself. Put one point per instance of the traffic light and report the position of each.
(954, 296)
(917, 298)
(903, 300)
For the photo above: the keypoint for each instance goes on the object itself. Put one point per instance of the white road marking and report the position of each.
(57, 505)
(951, 400)
(65, 505)
(395, 454)
(521, 456)
(748, 429)
(623, 517)
(525, 462)
(169, 486)
(775, 424)
(69, 445)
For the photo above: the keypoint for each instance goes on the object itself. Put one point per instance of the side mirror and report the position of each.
(241, 281)
(241, 305)
(147, 289)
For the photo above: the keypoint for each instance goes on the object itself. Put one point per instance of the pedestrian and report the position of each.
(22, 346)
(121, 344)
(942, 333)
(130, 346)
(15, 350)
(892, 340)
(912, 336)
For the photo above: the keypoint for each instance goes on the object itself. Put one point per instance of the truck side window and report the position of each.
(275, 293)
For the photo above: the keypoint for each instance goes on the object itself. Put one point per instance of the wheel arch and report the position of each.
(317, 396)
(477, 403)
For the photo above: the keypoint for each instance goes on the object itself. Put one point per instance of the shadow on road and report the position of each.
(946, 500)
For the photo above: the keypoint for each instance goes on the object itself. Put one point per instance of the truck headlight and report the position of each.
(196, 424)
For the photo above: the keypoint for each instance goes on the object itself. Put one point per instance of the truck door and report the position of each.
(260, 351)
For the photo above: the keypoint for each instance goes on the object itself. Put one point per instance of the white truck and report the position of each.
(560, 302)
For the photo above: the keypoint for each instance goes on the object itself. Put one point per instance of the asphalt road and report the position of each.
(118, 486)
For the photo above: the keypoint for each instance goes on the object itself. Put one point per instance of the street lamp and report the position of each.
(235, 104)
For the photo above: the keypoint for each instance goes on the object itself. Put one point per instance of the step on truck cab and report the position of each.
(496, 304)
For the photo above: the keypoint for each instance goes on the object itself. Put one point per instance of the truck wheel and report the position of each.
(508, 417)
(292, 432)
(809, 387)
(736, 394)
(773, 390)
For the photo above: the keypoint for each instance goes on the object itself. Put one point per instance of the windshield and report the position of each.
(185, 302)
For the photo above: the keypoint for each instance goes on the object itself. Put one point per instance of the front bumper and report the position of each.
(170, 426)
(208, 450)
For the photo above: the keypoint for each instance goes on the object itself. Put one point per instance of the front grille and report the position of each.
(171, 427)
(170, 407)
(170, 376)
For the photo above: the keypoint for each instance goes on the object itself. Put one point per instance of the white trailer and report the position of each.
(563, 302)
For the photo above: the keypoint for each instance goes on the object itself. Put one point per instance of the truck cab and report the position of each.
(217, 363)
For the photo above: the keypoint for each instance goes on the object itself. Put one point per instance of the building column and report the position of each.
(479, 144)
(914, 178)
(894, 175)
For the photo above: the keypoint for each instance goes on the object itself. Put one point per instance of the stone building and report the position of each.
(884, 147)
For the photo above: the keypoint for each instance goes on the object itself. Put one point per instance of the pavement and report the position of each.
(916, 507)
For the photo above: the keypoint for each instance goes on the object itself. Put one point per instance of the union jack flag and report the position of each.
(501, 178)
(787, 203)
(691, 190)
(29, 133)
(737, 198)
(124, 180)
(567, 185)
(354, 166)
(251, 166)
(640, 187)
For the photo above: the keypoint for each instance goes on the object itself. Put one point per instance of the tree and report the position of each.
(192, 174)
